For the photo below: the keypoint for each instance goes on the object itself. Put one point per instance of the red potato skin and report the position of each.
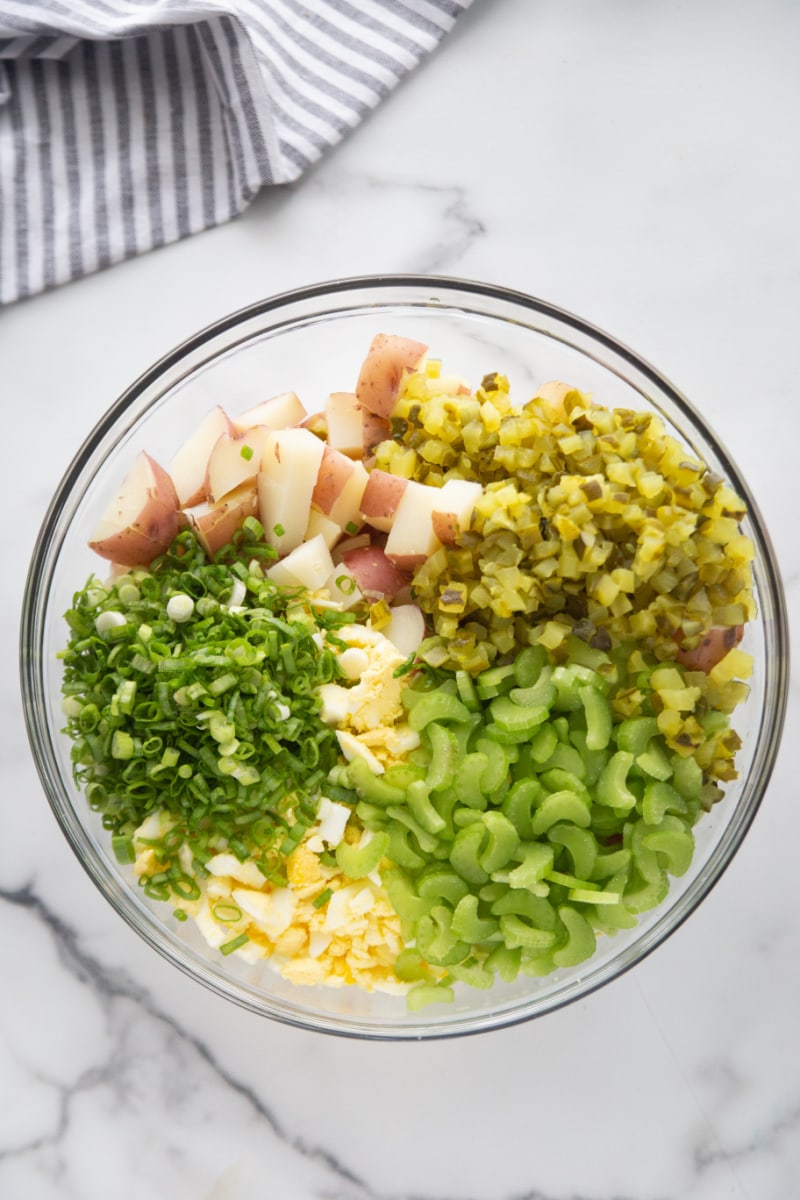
(374, 431)
(381, 498)
(388, 358)
(154, 529)
(216, 524)
(356, 542)
(375, 574)
(446, 527)
(317, 423)
(711, 649)
(334, 472)
(408, 562)
(198, 495)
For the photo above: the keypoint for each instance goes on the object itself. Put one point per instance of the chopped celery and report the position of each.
(358, 861)
(529, 788)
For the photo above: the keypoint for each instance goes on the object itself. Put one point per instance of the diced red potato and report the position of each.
(375, 574)
(309, 565)
(341, 482)
(452, 385)
(216, 524)
(343, 588)
(374, 430)
(318, 523)
(405, 595)
(351, 543)
(712, 648)
(317, 423)
(143, 518)
(188, 467)
(343, 416)
(411, 538)
(406, 628)
(289, 467)
(553, 393)
(456, 503)
(279, 412)
(346, 510)
(381, 498)
(446, 527)
(388, 359)
(234, 460)
(334, 471)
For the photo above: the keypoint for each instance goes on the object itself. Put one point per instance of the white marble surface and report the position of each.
(636, 163)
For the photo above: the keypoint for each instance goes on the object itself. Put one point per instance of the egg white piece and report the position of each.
(352, 748)
(244, 872)
(272, 911)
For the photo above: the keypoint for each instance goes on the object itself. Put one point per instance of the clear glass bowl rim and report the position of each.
(398, 289)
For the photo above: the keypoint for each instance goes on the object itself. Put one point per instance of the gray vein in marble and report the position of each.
(465, 227)
(461, 226)
(528, 1195)
(111, 985)
(785, 1127)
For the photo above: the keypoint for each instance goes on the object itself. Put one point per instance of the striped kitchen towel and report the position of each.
(126, 124)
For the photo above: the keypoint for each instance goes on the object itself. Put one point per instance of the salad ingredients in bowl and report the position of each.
(423, 690)
(424, 661)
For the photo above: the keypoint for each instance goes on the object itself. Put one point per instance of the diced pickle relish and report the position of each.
(588, 515)
(555, 741)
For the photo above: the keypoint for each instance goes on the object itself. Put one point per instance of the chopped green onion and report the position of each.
(226, 912)
(322, 898)
(149, 742)
(405, 667)
(234, 944)
(122, 745)
(123, 848)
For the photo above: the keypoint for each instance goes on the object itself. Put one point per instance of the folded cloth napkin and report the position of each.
(126, 124)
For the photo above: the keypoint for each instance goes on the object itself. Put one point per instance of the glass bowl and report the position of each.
(312, 341)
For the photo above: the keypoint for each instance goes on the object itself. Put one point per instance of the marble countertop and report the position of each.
(635, 164)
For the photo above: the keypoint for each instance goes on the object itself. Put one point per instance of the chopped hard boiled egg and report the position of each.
(375, 699)
(228, 864)
(367, 714)
(321, 928)
(272, 910)
(331, 822)
(352, 748)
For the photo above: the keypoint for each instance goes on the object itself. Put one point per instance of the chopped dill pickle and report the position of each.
(590, 516)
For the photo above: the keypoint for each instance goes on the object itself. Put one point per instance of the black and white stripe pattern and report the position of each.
(127, 124)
